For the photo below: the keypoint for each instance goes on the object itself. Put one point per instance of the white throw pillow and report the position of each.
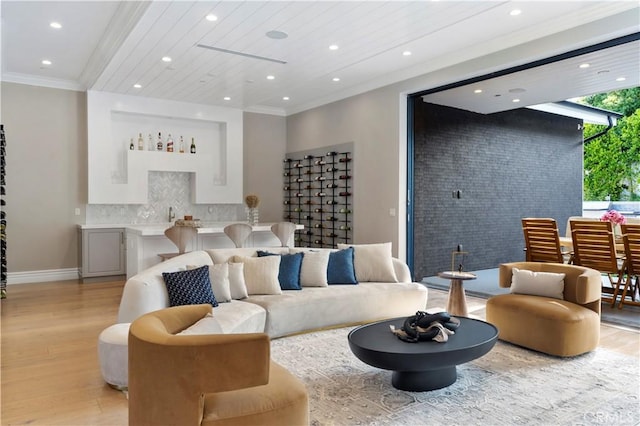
(372, 262)
(546, 284)
(237, 285)
(219, 277)
(261, 274)
(313, 272)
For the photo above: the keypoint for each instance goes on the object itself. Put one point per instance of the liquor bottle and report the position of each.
(140, 142)
(181, 145)
(131, 146)
(151, 146)
(193, 146)
(169, 143)
(159, 144)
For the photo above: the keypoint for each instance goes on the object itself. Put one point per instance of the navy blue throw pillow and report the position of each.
(289, 273)
(191, 287)
(340, 269)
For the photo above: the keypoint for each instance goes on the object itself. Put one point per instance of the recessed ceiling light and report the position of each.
(477, 91)
(271, 77)
(56, 25)
(277, 35)
(137, 86)
(336, 79)
(621, 78)
(46, 62)
(211, 17)
(334, 47)
(166, 59)
(285, 98)
(516, 100)
(585, 65)
(515, 12)
(406, 53)
(227, 98)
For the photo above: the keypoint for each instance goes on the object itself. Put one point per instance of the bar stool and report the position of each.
(180, 236)
(238, 233)
(283, 230)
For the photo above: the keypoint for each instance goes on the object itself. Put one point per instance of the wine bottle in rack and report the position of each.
(345, 177)
(331, 235)
(287, 174)
(332, 169)
(332, 153)
(308, 232)
(318, 242)
(330, 202)
(308, 217)
(287, 202)
(332, 218)
(309, 202)
(287, 187)
(298, 165)
(299, 194)
(319, 210)
(344, 211)
(299, 180)
(332, 185)
(321, 194)
(344, 160)
(345, 228)
(318, 225)
(308, 172)
(345, 193)
(320, 178)
(287, 160)
(309, 157)
(320, 163)
(297, 209)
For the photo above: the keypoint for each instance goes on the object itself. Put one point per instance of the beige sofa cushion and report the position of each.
(372, 262)
(260, 273)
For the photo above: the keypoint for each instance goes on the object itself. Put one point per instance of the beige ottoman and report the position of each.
(114, 356)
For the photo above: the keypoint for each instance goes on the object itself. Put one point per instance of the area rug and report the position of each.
(508, 386)
(486, 285)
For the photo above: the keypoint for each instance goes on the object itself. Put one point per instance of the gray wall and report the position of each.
(46, 175)
(507, 166)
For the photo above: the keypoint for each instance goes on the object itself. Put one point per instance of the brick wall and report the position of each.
(506, 166)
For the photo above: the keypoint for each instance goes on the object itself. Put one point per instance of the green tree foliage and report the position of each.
(612, 161)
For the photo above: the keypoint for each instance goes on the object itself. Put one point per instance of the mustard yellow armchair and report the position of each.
(212, 379)
(566, 325)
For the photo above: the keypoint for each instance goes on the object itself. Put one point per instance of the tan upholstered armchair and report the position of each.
(212, 379)
(565, 326)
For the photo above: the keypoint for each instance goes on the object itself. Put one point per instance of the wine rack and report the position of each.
(317, 194)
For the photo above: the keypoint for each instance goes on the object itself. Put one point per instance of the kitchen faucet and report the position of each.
(172, 215)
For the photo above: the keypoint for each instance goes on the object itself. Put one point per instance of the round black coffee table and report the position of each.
(421, 366)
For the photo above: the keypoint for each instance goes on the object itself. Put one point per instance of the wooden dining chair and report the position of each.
(631, 238)
(541, 239)
(594, 247)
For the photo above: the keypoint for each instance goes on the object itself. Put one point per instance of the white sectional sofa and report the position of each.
(283, 312)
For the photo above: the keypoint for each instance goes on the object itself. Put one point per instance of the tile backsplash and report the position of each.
(166, 189)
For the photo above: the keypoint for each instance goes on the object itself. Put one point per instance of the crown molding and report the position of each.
(32, 80)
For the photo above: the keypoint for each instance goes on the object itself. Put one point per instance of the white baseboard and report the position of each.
(42, 276)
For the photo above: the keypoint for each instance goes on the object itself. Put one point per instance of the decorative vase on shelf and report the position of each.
(252, 202)
(252, 215)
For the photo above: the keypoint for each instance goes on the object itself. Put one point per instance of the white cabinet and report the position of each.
(103, 252)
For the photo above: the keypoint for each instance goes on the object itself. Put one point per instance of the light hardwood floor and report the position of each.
(50, 372)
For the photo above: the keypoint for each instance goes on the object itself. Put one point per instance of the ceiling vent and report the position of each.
(246, 55)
